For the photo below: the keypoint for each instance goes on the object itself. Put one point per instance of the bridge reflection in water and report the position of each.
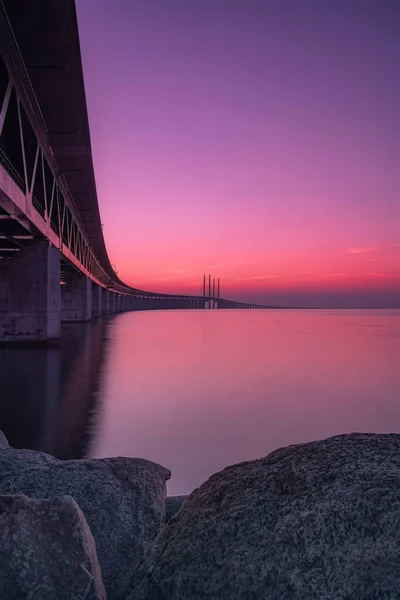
(50, 396)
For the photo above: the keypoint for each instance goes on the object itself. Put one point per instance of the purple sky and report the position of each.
(258, 140)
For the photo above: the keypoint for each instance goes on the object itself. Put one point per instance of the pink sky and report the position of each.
(256, 141)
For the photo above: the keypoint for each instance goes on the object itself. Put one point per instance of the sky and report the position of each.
(255, 140)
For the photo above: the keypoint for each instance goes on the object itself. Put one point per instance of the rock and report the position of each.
(123, 500)
(174, 504)
(47, 551)
(3, 441)
(316, 521)
(13, 459)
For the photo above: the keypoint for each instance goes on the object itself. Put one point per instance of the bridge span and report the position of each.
(54, 264)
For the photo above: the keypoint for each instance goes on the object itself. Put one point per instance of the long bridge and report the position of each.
(54, 264)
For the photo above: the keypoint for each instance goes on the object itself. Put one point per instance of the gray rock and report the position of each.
(174, 504)
(3, 441)
(13, 459)
(123, 500)
(47, 551)
(317, 521)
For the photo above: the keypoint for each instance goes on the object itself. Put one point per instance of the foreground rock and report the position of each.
(174, 504)
(316, 521)
(14, 459)
(46, 551)
(122, 499)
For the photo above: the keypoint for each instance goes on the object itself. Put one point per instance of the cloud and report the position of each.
(356, 275)
(363, 250)
(242, 262)
(337, 275)
(258, 277)
(213, 266)
(367, 249)
(195, 284)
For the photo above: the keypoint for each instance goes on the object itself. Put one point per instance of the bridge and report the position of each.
(54, 264)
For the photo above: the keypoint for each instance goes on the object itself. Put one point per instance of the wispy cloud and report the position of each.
(242, 262)
(194, 284)
(363, 250)
(355, 275)
(258, 277)
(177, 275)
(337, 275)
(368, 249)
(213, 266)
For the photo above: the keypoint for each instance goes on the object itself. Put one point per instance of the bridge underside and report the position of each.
(54, 264)
(48, 40)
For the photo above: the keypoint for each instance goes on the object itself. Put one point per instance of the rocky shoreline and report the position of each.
(318, 520)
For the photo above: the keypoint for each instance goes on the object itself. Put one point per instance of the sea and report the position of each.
(198, 390)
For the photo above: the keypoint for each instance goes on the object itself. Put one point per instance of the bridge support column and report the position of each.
(111, 302)
(76, 300)
(97, 300)
(105, 302)
(30, 295)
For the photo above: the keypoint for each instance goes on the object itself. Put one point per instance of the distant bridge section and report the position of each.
(54, 264)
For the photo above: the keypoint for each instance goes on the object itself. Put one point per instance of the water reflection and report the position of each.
(50, 397)
(198, 390)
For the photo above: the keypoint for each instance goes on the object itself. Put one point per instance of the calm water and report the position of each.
(198, 390)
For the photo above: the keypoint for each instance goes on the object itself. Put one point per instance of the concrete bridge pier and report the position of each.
(112, 302)
(76, 300)
(97, 300)
(30, 295)
(105, 302)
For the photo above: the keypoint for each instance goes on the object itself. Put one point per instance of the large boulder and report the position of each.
(47, 551)
(123, 500)
(13, 459)
(318, 520)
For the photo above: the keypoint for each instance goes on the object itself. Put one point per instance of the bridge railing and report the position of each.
(26, 156)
